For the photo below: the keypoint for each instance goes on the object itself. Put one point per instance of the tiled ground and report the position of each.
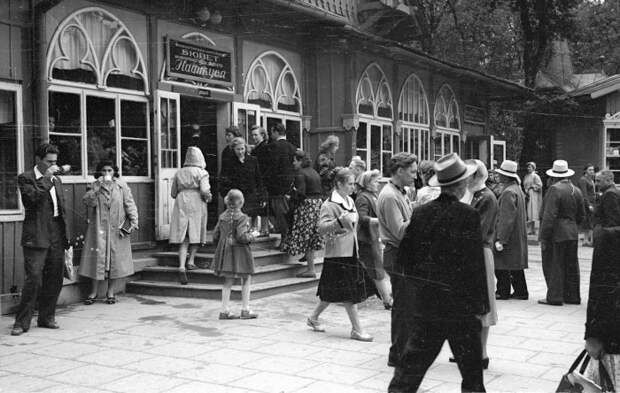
(151, 344)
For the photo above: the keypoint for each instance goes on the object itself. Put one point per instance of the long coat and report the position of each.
(280, 173)
(246, 177)
(533, 189)
(603, 315)
(189, 215)
(441, 262)
(586, 185)
(562, 212)
(104, 248)
(233, 256)
(510, 230)
(370, 252)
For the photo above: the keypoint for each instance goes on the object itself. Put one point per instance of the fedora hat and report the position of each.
(450, 169)
(560, 169)
(509, 169)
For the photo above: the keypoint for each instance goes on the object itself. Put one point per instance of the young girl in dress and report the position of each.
(233, 256)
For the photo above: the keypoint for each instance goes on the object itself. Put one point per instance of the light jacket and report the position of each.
(340, 233)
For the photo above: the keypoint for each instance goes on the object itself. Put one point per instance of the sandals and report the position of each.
(90, 300)
(110, 299)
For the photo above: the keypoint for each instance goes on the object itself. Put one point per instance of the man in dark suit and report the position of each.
(443, 288)
(44, 239)
(562, 211)
(279, 176)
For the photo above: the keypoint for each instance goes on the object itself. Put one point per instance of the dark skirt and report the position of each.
(252, 205)
(344, 280)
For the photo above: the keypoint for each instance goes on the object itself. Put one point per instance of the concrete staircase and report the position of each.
(275, 273)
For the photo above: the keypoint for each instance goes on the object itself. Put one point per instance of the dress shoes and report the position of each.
(501, 297)
(17, 331)
(355, 335)
(48, 325)
(247, 314)
(548, 303)
(572, 302)
(519, 297)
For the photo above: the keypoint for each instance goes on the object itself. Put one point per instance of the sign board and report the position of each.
(475, 114)
(189, 60)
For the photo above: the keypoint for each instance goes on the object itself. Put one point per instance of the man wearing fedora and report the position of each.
(562, 211)
(443, 284)
(510, 248)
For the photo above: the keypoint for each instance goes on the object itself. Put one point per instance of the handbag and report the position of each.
(68, 268)
(575, 381)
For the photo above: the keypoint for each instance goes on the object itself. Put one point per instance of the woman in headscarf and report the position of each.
(188, 225)
(532, 185)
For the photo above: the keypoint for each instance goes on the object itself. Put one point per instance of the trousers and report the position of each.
(279, 206)
(43, 269)
(561, 271)
(508, 278)
(424, 344)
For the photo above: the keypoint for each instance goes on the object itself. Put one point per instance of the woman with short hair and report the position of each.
(112, 216)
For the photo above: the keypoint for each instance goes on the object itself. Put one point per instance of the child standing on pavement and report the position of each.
(233, 256)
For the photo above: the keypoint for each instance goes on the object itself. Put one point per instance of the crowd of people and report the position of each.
(439, 256)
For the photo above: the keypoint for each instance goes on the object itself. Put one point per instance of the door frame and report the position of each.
(162, 226)
(248, 107)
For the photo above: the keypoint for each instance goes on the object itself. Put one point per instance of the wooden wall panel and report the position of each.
(9, 243)
(18, 265)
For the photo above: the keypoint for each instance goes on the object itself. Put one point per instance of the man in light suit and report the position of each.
(44, 239)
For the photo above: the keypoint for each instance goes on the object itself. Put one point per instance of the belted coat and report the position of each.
(510, 229)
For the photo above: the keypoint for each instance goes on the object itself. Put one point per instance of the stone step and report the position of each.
(214, 291)
(207, 276)
(203, 259)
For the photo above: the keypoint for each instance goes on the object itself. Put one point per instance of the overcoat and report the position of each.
(562, 212)
(104, 248)
(603, 315)
(246, 177)
(279, 173)
(370, 252)
(442, 264)
(586, 185)
(233, 256)
(533, 189)
(510, 230)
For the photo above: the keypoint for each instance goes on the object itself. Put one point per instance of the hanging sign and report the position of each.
(475, 114)
(189, 60)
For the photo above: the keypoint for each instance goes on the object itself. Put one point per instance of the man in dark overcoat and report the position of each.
(443, 285)
(562, 212)
(44, 238)
(279, 176)
(510, 248)
(603, 316)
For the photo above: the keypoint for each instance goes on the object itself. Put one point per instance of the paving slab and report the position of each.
(160, 344)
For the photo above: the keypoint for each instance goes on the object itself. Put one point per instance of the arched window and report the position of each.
(375, 136)
(272, 84)
(414, 117)
(447, 122)
(97, 105)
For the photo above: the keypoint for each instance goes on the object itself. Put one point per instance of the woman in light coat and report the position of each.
(532, 185)
(191, 191)
(343, 279)
(112, 216)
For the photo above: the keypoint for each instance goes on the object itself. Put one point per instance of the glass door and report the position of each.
(168, 141)
(245, 116)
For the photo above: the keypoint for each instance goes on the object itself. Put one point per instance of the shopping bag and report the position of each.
(575, 381)
(69, 270)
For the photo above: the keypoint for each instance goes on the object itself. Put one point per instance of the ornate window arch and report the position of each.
(271, 83)
(413, 115)
(447, 122)
(92, 46)
(374, 96)
(373, 104)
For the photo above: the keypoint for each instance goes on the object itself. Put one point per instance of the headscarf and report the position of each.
(194, 157)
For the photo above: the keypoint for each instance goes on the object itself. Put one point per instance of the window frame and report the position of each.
(83, 93)
(283, 116)
(7, 215)
(378, 122)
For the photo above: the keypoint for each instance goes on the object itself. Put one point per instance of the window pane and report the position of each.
(70, 148)
(375, 147)
(361, 141)
(293, 132)
(387, 138)
(64, 112)
(386, 164)
(456, 147)
(437, 140)
(415, 144)
(134, 156)
(133, 119)
(8, 152)
(424, 148)
(404, 138)
(100, 131)
(363, 153)
(446, 144)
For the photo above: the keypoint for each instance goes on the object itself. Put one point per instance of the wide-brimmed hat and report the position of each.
(450, 169)
(560, 169)
(509, 169)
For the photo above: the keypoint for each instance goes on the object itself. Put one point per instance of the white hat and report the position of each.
(560, 169)
(509, 169)
(450, 169)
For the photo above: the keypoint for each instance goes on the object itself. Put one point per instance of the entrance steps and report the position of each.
(275, 273)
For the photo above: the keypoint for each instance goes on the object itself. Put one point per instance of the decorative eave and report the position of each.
(600, 88)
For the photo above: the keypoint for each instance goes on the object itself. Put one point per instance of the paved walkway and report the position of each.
(154, 344)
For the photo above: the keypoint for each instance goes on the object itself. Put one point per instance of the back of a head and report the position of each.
(329, 143)
(401, 160)
(234, 130)
(426, 168)
(194, 157)
(339, 175)
(302, 156)
(606, 175)
(280, 129)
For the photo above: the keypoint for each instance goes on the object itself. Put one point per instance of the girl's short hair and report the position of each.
(104, 163)
(234, 198)
(368, 176)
